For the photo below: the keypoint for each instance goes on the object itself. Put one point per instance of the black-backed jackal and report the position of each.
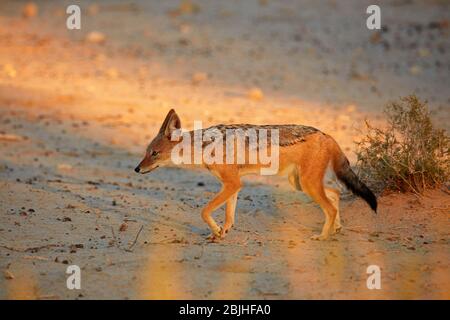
(304, 154)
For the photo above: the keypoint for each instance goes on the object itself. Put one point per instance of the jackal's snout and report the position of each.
(146, 165)
(145, 168)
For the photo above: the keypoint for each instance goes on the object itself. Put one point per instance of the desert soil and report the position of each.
(77, 111)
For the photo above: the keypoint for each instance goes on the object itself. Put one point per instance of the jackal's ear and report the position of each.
(170, 124)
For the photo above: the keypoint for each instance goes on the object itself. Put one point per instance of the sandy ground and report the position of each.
(76, 116)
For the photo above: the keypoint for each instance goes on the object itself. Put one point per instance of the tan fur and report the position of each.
(304, 157)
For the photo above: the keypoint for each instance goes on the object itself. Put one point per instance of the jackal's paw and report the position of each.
(319, 237)
(214, 237)
(224, 232)
(337, 230)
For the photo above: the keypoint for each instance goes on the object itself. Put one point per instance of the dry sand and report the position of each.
(76, 116)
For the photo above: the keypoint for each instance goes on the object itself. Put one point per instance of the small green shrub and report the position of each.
(410, 155)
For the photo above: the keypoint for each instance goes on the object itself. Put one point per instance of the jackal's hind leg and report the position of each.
(314, 188)
(333, 195)
(294, 179)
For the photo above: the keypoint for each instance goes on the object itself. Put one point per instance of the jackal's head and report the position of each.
(159, 151)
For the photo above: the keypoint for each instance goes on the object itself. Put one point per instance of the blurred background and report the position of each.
(224, 60)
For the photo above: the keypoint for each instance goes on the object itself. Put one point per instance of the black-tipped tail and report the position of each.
(352, 182)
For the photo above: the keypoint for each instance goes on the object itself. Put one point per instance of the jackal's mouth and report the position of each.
(148, 170)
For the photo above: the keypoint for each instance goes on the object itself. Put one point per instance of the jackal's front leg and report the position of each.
(227, 192)
(229, 215)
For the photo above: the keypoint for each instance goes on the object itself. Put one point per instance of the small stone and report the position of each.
(93, 9)
(350, 108)
(423, 52)
(123, 227)
(96, 37)
(199, 77)
(30, 10)
(10, 137)
(112, 73)
(8, 275)
(9, 70)
(415, 70)
(185, 7)
(64, 167)
(255, 94)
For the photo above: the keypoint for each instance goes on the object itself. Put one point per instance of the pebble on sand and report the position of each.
(112, 73)
(185, 7)
(95, 37)
(64, 167)
(424, 52)
(8, 275)
(123, 227)
(93, 9)
(350, 108)
(415, 70)
(199, 77)
(9, 70)
(255, 94)
(30, 10)
(10, 137)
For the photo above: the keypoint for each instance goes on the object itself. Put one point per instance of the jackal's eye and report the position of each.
(155, 153)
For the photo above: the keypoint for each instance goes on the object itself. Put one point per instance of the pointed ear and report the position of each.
(171, 123)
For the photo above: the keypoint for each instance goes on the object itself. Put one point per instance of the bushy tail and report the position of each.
(345, 174)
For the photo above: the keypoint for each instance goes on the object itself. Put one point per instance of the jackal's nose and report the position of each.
(137, 169)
